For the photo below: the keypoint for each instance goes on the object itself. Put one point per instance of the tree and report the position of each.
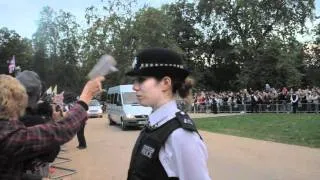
(208, 52)
(153, 28)
(251, 21)
(122, 33)
(186, 36)
(253, 26)
(109, 33)
(57, 46)
(316, 48)
(45, 41)
(67, 64)
(12, 44)
(312, 60)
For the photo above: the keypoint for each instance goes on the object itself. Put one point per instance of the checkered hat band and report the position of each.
(146, 65)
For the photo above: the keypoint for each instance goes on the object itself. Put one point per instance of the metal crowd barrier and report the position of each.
(64, 171)
(261, 108)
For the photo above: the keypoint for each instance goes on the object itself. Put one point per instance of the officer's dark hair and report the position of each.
(180, 85)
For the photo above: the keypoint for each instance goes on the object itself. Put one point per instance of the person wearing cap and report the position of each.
(169, 146)
(36, 166)
(33, 86)
(18, 142)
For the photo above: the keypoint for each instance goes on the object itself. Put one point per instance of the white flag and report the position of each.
(55, 91)
(49, 90)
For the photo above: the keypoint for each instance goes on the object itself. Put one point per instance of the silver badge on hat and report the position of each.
(134, 63)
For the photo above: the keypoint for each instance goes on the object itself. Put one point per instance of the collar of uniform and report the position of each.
(163, 114)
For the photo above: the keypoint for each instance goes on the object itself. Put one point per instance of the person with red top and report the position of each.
(18, 142)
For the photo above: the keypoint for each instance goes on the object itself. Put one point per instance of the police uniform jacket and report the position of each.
(184, 154)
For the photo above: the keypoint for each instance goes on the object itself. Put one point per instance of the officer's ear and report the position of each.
(166, 83)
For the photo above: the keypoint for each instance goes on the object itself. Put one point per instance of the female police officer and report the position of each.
(169, 147)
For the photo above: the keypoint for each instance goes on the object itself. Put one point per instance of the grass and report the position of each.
(299, 129)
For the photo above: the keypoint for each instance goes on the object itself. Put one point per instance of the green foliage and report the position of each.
(11, 44)
(123, 35)
(109, 33)
(262, 32)
(227, 44)
(252, 21)
(57, 43)
(275, 63)
(312, 59)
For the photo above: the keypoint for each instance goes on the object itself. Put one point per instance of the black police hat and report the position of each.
(158, 62)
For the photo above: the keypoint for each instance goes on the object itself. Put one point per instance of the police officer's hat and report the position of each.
(158, 62)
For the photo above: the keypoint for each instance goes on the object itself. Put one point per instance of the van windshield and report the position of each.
(94, 103)
(130, 98)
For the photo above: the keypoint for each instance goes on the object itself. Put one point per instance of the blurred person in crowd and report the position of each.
(284, 91)
(169, 147)
(294, 98)
(309, 101)
(82, 143)
(104, 107)
(213, 102)
(202, 102)
(303, 100)
(239, 99)
(282, 101)
(36, 114)
(20, 143)
(315, 100)
(274, 96)
(254, 102)
(246, 97)
(267, 88)
(267, 100)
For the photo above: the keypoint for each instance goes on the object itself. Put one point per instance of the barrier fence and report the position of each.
(249, 108)
(61, 172)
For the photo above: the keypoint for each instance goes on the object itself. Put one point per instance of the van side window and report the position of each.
(111, 99)
(119, 99)
(108, 99)
(115, 99)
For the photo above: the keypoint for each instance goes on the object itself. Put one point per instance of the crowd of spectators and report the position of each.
(306, 99)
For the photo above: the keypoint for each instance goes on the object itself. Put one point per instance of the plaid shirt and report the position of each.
(18, 143)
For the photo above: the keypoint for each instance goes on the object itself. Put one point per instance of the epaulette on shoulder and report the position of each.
(185, 121)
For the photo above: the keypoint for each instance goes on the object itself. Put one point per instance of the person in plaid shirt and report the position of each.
(18, 142)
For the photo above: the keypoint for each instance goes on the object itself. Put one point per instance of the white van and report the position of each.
(123, 107)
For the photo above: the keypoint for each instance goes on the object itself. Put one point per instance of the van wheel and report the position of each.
(110, 121)
(123, 126)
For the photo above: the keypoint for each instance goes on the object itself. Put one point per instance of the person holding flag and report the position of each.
(12, 65)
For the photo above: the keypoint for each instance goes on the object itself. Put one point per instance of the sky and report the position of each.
(22, 15)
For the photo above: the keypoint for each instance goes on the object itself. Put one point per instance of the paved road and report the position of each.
(230, 158)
